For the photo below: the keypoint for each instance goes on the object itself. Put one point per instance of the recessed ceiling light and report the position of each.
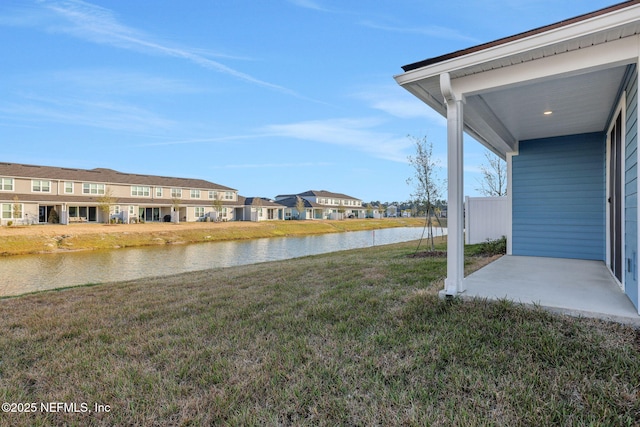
(548, 113)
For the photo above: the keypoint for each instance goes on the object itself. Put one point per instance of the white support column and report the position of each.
(510, 200)
(455, 227)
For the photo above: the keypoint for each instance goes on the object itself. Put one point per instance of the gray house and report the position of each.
(559, 104)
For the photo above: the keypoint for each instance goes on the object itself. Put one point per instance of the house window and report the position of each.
(116, 209)
(212, 195)
(176, 192)
(139, 190)
(40, 186)
(68, 187)
(11, 210)
(158, 191)
(195, 194)
(88, 188)
(228, 195)
(6, 184)
(199, 211)
(132, 210)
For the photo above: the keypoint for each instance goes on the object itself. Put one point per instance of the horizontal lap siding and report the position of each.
(631, 192)
(558, 197)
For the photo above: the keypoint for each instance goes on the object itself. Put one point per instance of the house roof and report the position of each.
(317, 193)
(575, 68)
(291, 202)
(102, 175)
(87, 200)
(264, 202)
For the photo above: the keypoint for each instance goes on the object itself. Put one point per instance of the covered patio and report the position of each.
(559, 104)
(569, 286)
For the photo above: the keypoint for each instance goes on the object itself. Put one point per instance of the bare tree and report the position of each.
(369, 208)
(16, 208)
(175, 206)
(256, 203)
(426, 184)
(104, 203)
(299, 206)
(494, 177)
(341, 209)
(217, 206)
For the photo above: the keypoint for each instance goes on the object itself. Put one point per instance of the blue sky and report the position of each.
(267, 97)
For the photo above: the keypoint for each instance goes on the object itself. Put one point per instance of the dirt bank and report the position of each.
(33, 239)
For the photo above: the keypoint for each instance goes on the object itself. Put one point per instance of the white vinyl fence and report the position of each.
(486, 218)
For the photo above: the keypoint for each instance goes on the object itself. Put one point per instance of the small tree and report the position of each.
(494, 177)
(217, 205)
(369, 210)
(16, 208)
(300, 207)
(425, 181)
(53, 217)
(341, 209)
(175, 206)
(256, 203)
(381, 210)
(104, 204)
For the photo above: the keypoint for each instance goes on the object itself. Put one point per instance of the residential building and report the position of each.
(261, 209)
(322, 205)
(560, 104)
(38, 194)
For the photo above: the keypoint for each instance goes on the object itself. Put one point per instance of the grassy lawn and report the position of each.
(350, 338)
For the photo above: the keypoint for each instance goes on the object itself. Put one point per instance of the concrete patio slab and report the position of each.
(574, 287)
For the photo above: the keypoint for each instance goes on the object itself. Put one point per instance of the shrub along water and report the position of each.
(349, 338)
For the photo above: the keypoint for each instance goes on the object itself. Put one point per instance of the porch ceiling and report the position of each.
(579, 104)
(498, 118)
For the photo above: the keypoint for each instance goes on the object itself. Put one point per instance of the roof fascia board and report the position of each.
(619, 52)
(557, 35)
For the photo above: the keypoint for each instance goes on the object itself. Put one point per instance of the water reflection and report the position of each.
(31, 273)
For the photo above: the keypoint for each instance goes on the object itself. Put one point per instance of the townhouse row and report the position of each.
(31, 194)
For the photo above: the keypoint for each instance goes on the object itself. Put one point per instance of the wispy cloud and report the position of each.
(308, 4)
(360, 135)
(99, 25)
(273, 165)
(112, 81)
(357, 134)
(203, 140)
(429, 31)
(395, 101)
(101, 114)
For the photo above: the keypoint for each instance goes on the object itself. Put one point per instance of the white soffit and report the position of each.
(580, 104)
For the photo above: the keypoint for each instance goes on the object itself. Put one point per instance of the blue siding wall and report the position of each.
(558, 190)
(631, 191)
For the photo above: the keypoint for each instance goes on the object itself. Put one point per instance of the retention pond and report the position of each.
(30, 273)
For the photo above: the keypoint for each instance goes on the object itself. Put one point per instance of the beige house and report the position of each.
(31, 194)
